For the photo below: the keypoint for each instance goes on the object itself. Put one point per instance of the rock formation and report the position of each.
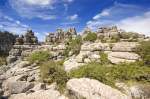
(108, 32)
(60, 36)
(27, 39)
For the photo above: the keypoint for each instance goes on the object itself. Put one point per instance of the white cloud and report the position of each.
(127, 17)
(43, 9)
(103, 13)
(68, 1)
(73, 17)
(140, 24)
(17, 22)
(9, 24)
(39, 2)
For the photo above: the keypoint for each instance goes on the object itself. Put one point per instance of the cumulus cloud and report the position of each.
(104, 13)
(39, 2)
(140, 24)
(73, 17)
(127, 17)
(9, 24)
(43, 9)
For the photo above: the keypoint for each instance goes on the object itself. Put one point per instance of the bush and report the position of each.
(53, 72)
(74, 45)
(39, 56)
(115, 38)
(90, 37)
(128, 35)
(2, 61)
(109, 75)
(144, 51)
(104, 58)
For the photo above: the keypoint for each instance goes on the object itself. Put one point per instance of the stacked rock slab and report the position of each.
(108, 32)
(26, 42)
(60, 36)
(28, 39)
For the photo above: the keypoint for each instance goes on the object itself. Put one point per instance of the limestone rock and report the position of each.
(41, 94)
(135, 91)
(92, 89)
(124, 46)
(11, 87)
(23, 64)
(82, 55)
(118, 57)
(71, 64)
(95, 46)
(11, 59)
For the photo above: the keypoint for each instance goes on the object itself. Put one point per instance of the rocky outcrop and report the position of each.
(135, 91)
(16, 87)
(118, 57)
(41, 94)
(85, 88)
(95, 46)
(124, 46)
(71, 64)
(28, 39)
(60, 36)
(108, 32)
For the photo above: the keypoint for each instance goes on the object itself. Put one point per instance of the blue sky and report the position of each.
(45, 16)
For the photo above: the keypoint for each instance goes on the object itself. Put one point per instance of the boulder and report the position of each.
(23, 64)
(118, 57)
(85, 88)
(71, 64)
(124, 46)
(135, 90)
(11, 59)
(95, 46)
(82, 55)
(41, 94)
(15, 87)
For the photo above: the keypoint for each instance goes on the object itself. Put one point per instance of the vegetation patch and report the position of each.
(144, 51)
(74, 46)
(90, 37)
(2, 60)
(39, 56)
(104, 58)
(109, 75)
(53, 72)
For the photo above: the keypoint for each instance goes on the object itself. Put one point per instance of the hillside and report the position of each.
(105, 64)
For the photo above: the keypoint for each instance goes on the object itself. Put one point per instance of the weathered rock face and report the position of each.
(60, 36)
(27, 39)
(118, 57)
(95, 47)
(135, 91)
(92, 89)
(108, 32)
(11, 87)
(124, 46)
(71, 64)
(41, 94)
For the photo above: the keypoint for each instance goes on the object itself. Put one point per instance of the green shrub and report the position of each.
(73, 45)
(144, 51)
(115, 38)
(104, 58)
(53, 72)
(109, 75)
(2, 61)
(39, 56)
(90, 37)
(128, 35)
